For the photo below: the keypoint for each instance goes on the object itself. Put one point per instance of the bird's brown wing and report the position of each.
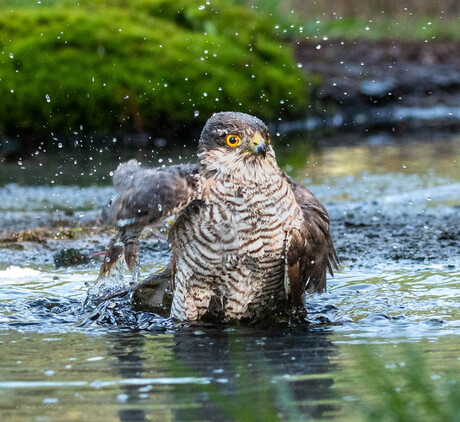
(146, 195)
(311, 252)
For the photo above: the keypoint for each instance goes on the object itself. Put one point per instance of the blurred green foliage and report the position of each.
(391, 386)
(407, 28)
(411, 20)
(150, 65)
(378, 384)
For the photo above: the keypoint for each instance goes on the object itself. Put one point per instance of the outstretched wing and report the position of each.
(311, 252)
(146, 195)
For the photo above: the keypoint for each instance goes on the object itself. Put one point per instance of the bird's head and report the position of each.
(232, 141)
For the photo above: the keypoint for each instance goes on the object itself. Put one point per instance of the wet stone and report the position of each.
(70, 256)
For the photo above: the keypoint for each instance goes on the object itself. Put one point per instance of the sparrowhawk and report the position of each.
(246, 237)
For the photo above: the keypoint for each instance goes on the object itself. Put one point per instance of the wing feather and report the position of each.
(145, 196)
(311, 252)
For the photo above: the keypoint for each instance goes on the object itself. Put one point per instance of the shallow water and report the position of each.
(396, 287)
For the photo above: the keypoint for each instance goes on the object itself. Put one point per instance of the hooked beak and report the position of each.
(257, 145)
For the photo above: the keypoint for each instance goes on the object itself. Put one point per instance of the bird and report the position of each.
(246, 238)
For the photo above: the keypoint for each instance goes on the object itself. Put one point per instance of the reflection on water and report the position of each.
(433, 158)
(180, 376)
(257, 366)
(63, 361)
(206, 373)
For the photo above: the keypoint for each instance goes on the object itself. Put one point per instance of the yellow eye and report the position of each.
(233, 140)
(268, 137)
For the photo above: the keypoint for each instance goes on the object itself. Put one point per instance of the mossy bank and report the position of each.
(156, 66)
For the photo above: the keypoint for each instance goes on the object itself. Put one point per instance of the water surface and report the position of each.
(393, 204)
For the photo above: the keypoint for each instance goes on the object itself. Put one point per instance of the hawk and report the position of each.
(246, 237)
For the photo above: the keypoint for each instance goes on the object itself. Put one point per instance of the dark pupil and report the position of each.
(233, 140)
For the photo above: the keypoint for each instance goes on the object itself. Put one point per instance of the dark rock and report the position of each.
(70, 256)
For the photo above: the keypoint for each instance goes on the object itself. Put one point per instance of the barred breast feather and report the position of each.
(229, 246)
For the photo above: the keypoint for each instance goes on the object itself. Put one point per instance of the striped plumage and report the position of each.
(247, 236)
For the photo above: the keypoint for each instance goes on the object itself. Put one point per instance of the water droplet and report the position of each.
(48, 99)
(122, 398)
(11, 55)
(318, 47)
(201, 7)
(196, 113)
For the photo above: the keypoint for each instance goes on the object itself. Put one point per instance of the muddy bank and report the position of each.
(67, 244)
(367, 234)
(367, 237)
(386, 83)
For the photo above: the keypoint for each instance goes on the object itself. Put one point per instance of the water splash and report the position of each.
(110, 285)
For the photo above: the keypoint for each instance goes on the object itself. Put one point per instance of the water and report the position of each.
(394, 204)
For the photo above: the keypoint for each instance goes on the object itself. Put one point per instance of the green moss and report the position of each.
(105, 67)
